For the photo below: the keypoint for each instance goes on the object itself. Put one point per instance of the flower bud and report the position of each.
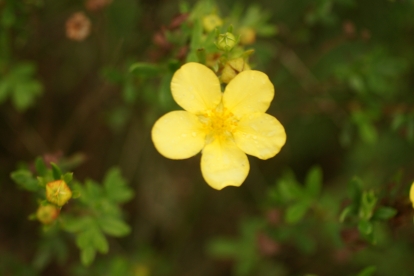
(247, 36)
(211, 21)
(58, 192)
(412, 194)
(47, 214)
(232, 68)
(78, 26)
(226, 41)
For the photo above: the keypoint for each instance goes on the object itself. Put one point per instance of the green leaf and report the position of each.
(116, 187)
(384, 213)
(25, 180)
(313, 182)
(295, 212)
(368, 271)
(288, 188)
(114, 226)
(365, 227)
(368, 202)
(40, 166)
(24, 94)
(93, 191)
(57, 174)
(346, 212)
(42, 181)
(222, 248)
(112, 75)
(355, 189)
(84, 239)
(144, 69)
(87, 255)
(76, 224)
(67, 177)
(100, 242)
(24, 70)
(129, 92)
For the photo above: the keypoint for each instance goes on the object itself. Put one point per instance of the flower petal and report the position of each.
(196, 88)
(250, 91)
(178, 135)
(260, 134)
(224, 164)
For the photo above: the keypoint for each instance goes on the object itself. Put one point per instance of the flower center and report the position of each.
(219, 123)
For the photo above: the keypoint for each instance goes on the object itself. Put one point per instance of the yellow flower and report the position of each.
(225, 126)
(412, 194)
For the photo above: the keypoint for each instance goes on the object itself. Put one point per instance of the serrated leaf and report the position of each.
(84, 239)
(100, 242)
(384, 213)
(93, 191)
(114, 226)
(313, 182)
(76, 224)
(116, 187)
(56, 172)
(296, 212)
(25, 180)
(87, 255)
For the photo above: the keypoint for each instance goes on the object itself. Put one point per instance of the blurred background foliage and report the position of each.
(82, 82)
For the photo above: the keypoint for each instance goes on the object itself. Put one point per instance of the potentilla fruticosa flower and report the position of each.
(224, 126)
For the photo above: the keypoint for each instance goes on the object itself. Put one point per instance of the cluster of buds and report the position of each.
(57, 194)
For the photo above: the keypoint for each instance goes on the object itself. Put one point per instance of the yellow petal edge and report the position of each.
(260, 135)
(196, 88)
(178, 135)
(250, 91)
(224, 164)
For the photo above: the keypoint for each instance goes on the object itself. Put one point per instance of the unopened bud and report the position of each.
(232, 68)
(226, 41)
(247, 36)
(412, 194)
(47, 214)
(58, 192)
(211, 21)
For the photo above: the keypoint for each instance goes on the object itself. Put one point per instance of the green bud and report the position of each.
(226, 41)
(232, 68)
